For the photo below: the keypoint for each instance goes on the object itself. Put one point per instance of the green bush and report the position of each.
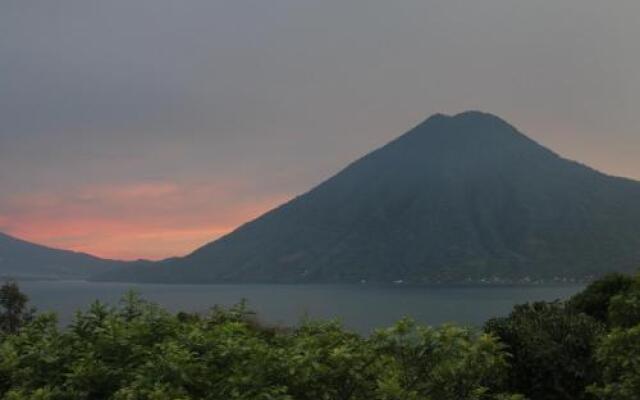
(551, 350)
(445, 363)
(596, 298)
(619, 357)
(624, 308)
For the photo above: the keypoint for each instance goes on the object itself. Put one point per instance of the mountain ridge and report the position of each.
(22, 259)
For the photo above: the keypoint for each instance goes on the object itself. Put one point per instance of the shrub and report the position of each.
(551, 350)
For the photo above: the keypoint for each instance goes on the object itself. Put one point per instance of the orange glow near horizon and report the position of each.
(127, 222)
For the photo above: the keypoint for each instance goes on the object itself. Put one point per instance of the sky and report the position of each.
(146, 128)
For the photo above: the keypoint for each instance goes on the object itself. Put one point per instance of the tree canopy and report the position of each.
(13, 308)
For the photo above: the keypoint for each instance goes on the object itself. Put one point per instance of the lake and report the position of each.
(360, 307)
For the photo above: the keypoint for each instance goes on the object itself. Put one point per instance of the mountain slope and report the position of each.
(21, 259)
(455, 199)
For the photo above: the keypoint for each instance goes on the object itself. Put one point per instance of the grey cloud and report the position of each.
(285, 92)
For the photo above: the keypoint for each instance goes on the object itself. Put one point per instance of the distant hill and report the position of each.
(24, 260)
(456, 199)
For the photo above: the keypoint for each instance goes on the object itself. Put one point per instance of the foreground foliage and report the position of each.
(140, 351)
(582, 349)
(552, 350)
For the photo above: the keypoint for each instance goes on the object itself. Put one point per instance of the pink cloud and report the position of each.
(128, 192)
(136, 220)
(3, 221)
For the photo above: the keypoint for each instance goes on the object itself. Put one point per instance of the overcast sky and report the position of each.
(145, 128)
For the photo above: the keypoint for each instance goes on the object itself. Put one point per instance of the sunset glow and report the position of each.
(147, 220)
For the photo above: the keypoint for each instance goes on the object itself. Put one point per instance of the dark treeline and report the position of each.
(585, 348)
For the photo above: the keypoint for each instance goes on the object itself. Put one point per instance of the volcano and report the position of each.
(461, 198)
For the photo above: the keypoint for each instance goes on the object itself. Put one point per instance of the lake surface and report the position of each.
(360, 307)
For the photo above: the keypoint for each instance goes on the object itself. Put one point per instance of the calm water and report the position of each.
(359, 307)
